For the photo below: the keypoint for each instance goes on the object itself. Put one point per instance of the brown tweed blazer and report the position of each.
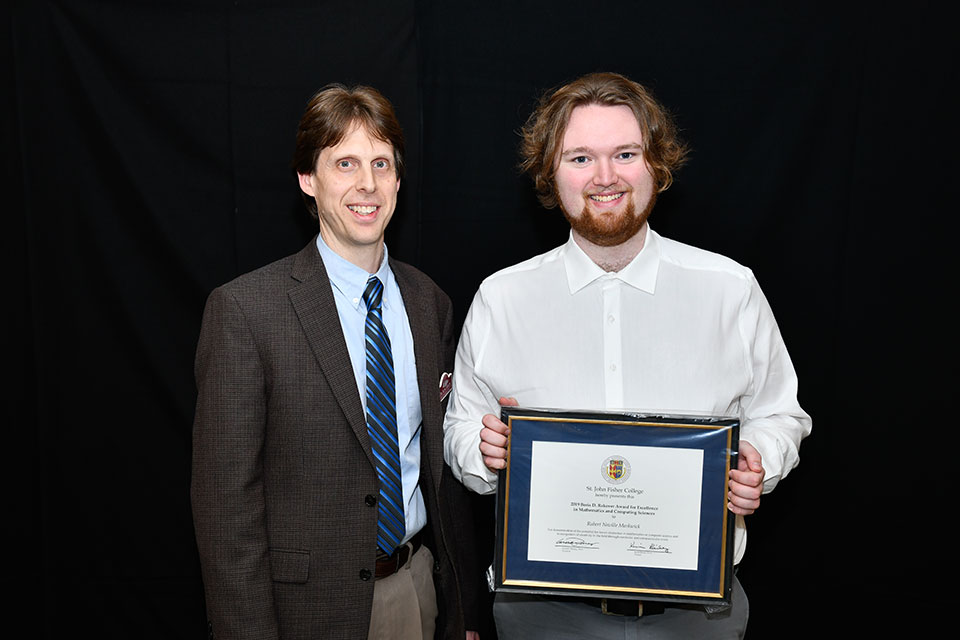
(283, 474)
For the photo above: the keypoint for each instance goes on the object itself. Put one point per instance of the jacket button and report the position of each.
(370, 500)
(365, 575)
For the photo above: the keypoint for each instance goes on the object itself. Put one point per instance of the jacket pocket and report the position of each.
(289, 565)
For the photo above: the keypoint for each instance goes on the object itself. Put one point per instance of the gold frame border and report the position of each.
(573, 586)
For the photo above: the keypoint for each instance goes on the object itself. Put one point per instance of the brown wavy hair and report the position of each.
(543, 132)
(331, 114)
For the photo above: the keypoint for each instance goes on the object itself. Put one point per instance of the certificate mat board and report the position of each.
(616, 505)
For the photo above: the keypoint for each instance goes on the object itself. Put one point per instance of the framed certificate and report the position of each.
(616, 505)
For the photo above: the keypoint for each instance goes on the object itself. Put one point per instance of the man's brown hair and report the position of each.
(543, 132)
(335, 111)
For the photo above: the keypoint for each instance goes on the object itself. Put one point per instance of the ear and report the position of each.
(306, 183)
(398, 185)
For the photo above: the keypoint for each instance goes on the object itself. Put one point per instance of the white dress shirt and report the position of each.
(678, 330)
(348, 282)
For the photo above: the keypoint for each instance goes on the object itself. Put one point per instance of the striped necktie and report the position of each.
(382, 420)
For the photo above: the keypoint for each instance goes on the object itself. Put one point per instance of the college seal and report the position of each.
(615, 469)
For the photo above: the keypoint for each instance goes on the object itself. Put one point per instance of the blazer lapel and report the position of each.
(426, 340)
(316, 309)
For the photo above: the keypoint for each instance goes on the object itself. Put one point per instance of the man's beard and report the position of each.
(610, 230)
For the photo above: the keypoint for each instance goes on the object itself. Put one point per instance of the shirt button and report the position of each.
(611, 319)
(365, 575)
(613, 367)
(370, 500)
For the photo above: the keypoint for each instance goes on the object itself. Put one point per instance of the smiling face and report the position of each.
(355, 188)
(604, 186)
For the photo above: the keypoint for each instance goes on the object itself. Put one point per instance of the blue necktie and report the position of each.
(382, 420)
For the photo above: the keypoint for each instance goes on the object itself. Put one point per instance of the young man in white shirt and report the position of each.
(620, 318)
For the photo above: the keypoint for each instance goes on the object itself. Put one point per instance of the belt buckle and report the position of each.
(389, 565)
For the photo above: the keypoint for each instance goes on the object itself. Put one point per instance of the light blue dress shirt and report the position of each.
(348, 282)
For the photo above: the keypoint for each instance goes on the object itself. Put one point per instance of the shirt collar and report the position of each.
(641, 273)
(349, 279)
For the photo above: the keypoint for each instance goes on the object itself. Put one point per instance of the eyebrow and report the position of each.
(354, 156)
(630, 145)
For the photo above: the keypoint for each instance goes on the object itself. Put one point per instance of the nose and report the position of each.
(604, 174)
(365, 179)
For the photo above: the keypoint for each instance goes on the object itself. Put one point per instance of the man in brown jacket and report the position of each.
(322, 504)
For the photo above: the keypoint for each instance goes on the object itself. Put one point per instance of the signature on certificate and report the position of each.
(648, 548)
(572, 542)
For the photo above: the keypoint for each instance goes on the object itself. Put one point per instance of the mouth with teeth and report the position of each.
(604, 198)
(363, 209)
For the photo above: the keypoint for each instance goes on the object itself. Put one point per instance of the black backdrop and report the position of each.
(146, 149)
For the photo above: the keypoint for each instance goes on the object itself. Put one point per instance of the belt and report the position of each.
(389, 565)
(620, 607)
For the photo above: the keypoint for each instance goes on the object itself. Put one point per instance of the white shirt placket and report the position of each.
(612, 342)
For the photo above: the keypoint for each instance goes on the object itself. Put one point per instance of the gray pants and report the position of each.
(532, 617)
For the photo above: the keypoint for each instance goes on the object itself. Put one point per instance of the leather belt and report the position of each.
(620, 607)
(389, 565)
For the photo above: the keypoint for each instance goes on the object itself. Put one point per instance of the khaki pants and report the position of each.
(405, 604)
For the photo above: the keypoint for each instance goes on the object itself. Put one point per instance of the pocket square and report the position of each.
(446, 384)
